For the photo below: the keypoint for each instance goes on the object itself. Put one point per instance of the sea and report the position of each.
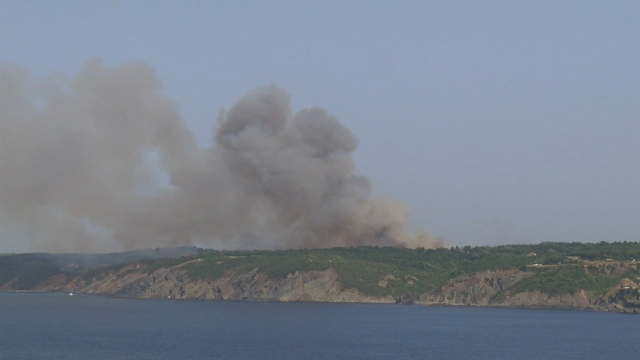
(59, 326)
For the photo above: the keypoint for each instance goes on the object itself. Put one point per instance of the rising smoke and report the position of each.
(77, 170)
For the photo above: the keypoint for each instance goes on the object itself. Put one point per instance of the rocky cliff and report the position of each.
(496, 288)
(478, 289)
(486, 288)
(509, 276)
(175, 283)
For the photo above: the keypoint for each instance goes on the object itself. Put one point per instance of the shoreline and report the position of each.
(332, 302)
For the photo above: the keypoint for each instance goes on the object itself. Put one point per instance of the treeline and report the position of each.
(556, 252)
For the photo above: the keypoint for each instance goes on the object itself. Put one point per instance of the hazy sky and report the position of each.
(496, 122)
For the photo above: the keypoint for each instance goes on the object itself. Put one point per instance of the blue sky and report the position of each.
(496, 122)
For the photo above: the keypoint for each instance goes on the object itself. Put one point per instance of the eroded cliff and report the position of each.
(175, 283)
(485, 288)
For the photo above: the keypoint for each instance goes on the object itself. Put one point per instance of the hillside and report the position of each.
(35, 271)
(602, 276)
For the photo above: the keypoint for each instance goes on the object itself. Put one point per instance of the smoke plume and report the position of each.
(81, 159)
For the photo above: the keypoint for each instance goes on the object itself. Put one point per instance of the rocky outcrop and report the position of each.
(623, 296)
(478, 289)
(536, 299)
(406, 299)
(493, 288)
(174, 283)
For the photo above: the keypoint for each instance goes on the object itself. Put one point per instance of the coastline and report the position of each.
(425, 305)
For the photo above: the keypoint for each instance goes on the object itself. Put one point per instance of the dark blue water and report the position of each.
(58, 326)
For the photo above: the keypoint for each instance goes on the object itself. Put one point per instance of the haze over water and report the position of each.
(58, 326)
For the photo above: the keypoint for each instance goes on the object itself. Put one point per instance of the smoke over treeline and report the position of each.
(80, 159)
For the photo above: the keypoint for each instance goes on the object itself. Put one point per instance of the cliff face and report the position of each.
(478, 289)
(536, 299)
(487, 288)
(175, 283)
(493, 288)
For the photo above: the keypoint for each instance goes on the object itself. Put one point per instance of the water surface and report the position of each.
(59, 326)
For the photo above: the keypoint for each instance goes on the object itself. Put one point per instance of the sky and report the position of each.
(495, 122)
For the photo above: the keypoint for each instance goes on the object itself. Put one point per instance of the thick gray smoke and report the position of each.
(80, 161)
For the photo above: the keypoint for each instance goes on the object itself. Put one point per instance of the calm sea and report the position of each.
(59, 326)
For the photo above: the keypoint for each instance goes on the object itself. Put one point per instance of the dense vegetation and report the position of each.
(372, 270)
(24, 274)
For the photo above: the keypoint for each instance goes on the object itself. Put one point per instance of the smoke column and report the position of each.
(77, 170)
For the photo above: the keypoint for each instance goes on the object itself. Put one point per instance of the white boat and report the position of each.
(70, 294)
